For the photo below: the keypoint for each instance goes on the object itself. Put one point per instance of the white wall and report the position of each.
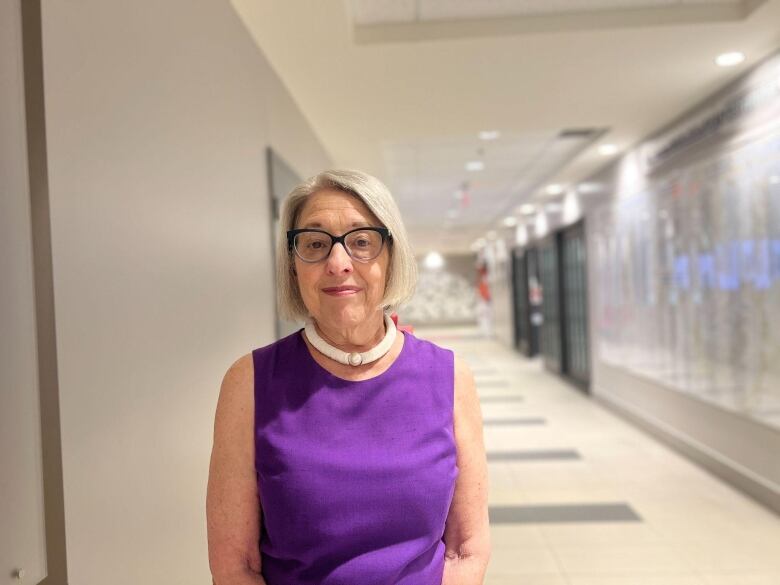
(499, 261)
(501, 293)
(158, 115)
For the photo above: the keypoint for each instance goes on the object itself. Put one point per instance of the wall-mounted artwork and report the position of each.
(445, 295)
(688, 278)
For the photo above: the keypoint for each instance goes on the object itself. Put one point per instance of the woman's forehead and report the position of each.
(330, 206)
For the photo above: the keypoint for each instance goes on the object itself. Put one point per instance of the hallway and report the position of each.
(578, 496)
(594, 181)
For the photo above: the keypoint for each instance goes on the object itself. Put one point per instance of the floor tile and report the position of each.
(693, 528)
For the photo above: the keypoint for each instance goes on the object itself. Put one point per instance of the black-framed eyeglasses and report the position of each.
(362, 244)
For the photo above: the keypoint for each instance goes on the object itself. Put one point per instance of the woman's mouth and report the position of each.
(341, 291)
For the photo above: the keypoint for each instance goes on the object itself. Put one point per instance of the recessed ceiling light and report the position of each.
(607, 149)
(521, 235)
(774, 180)
(489, 134)
(541, 226)
(475, 165)
(433, 260)
(528, 209)
(554, 189)
(730, 59)
(589, 187)
(510, 221)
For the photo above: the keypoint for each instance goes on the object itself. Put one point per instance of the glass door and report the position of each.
(575, 305)
(551, 310)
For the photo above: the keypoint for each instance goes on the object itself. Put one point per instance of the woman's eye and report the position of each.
(315, 245)
(363, 242)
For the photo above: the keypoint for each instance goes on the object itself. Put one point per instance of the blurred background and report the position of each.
(593, 191)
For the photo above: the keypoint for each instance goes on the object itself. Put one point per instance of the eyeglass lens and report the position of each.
(361, 245)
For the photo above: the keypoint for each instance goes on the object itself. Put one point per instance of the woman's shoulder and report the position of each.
(426, 347)
(280, 344)
(239, 379)
(460, 366)
(235, 390)
(240, 371)
(268, 358)
(419, 342)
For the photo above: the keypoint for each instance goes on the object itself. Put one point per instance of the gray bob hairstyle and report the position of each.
(402, 269)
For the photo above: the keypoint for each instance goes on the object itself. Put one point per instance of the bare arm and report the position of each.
(232, 507)
(467, 531)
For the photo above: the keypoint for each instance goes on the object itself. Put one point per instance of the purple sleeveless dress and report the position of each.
(355, 479)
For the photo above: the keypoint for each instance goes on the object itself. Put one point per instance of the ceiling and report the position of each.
(402, 89)
(447, 207)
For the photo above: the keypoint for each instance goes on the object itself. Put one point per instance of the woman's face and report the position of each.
(337, 212)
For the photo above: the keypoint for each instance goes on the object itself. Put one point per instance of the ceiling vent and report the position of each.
(579, 133)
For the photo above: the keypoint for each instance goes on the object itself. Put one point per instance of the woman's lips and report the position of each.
(341, 291)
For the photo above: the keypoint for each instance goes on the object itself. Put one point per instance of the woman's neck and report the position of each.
(360, 338)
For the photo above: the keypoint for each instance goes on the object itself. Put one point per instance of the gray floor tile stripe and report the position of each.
(535, 455)
(548, 514)
(529, 421)
(492, 383)
(495, 398)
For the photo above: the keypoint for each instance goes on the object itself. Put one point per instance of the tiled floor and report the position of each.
(692, 528)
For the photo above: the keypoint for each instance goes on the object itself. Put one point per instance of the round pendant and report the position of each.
(355, 359)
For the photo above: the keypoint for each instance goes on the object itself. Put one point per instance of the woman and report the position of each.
(347, 453)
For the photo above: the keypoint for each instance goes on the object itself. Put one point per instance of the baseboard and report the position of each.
(759, 488)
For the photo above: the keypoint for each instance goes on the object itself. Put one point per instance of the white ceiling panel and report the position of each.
(437, 194)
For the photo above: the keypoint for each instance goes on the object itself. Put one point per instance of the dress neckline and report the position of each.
(332, 376)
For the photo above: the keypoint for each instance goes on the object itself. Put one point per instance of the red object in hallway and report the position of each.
(407, 328)
(482, 282)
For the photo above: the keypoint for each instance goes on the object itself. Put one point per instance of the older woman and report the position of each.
(347, 453)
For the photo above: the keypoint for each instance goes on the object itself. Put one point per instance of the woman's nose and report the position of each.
(338, 260)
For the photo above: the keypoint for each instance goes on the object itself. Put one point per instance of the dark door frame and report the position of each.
(43, 282)
(575, 229)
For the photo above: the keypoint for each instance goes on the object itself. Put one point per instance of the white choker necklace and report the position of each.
(354, 358)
